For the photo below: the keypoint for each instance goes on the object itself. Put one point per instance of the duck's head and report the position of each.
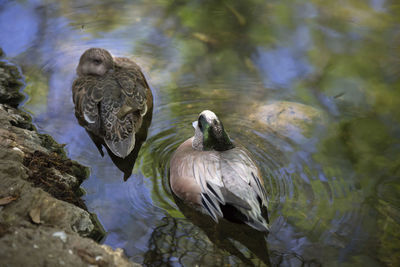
(95, 61)
(210, 133)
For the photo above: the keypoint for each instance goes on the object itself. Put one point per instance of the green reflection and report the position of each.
(37, 89)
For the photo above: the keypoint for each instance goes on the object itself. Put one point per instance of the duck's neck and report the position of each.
(197, 142)
(220, 142)
(212, 142)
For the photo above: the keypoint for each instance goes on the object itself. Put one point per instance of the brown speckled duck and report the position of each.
(111, 98)
(211, 173)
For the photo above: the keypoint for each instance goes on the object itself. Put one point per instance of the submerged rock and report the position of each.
(290, 119)
(40, 195)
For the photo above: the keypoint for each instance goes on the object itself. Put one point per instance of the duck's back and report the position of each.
(112, 106)
(215, 180)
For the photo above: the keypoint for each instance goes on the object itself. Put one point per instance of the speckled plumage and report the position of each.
(111, 98)
(218, 177)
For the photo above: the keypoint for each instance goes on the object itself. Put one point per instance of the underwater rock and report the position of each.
(290, 119)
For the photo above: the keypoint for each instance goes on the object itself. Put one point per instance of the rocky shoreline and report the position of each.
(43, 220)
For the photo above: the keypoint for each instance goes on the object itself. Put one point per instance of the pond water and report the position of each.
(334, 193)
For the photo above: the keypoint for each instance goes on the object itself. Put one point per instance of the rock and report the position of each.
(43, 220)
(52, 211)
(293, 120)
(48, 246)
(16, 117)
(10, 84)
(24, 173)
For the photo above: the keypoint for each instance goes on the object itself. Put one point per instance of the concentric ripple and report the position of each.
(305, 201)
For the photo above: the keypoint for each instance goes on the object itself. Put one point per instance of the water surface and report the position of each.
(334, 193)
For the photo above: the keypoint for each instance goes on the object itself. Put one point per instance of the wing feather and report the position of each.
(240, 176)
(133, 84)
(87, 93)
(239, 165)
(206, 172)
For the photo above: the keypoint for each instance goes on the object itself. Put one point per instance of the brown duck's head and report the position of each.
(210, 133)
(95, 61)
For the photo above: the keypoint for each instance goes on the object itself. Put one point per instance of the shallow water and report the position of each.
(334, 193)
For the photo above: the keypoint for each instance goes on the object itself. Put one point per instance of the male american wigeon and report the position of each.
(221, 179)
(111, 98)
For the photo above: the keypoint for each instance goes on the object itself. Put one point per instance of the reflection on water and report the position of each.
(334, 193)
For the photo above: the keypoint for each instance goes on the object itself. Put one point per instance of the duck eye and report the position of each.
(97, 61)
(200, 122)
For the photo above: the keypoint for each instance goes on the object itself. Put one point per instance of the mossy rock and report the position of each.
(10, 84)
(294, 120)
